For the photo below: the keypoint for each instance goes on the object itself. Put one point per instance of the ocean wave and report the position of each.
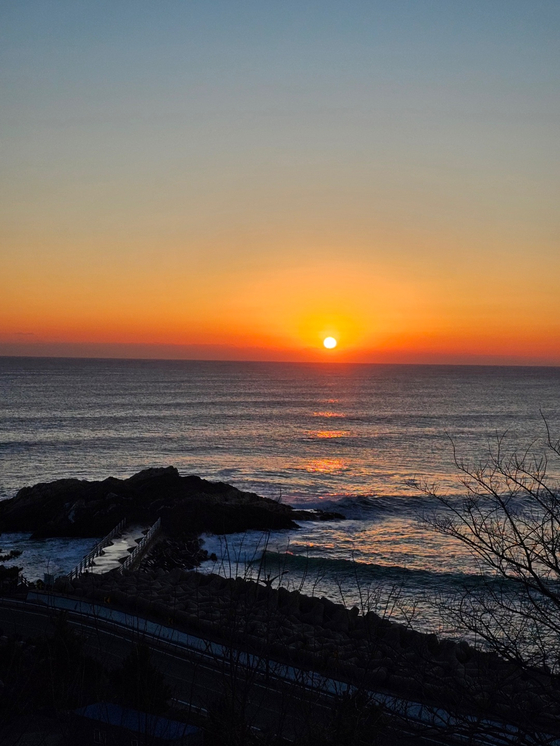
(238, 550)
(367, 507)
(362, 572)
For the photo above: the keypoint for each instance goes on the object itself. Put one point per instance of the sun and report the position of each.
(330, 343)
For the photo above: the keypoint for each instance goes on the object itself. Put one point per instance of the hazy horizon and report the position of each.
(157, 357)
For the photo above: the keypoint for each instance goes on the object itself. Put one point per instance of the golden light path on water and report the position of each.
(327, 465)
(331, 433)
(328, 414)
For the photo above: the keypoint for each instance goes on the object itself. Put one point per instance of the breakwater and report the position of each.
(355, 645)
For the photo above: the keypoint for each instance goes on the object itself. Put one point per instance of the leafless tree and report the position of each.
(509, 519)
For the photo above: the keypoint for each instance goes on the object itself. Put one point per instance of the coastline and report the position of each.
(354, 645)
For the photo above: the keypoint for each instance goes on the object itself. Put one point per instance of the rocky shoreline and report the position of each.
(354, 645)
(187, 506)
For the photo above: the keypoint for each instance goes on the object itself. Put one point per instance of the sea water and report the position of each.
(358, 439)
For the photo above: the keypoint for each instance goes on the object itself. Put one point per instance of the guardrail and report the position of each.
(141, 547)
(88, 560)
(438, 725)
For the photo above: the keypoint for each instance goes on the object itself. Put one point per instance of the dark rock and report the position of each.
(187, 506)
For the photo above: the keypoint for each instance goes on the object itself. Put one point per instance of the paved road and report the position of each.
(198, 671)
(279, 697)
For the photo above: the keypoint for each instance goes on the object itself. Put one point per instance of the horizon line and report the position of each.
(280, 362)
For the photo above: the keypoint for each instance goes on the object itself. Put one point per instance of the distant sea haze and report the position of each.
(357, 438)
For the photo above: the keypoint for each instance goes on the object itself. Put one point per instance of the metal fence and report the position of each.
(88, 560)
(142, 546)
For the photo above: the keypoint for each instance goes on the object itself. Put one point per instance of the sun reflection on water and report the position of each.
(326, 465)
(330, 433)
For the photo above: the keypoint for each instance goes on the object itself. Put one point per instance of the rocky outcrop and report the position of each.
(361, 648)
(72, 507)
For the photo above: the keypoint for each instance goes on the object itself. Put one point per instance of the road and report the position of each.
(198, 671)
(277, 697)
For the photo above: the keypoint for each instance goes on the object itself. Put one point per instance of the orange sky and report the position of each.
(376, 311)
(381, 177)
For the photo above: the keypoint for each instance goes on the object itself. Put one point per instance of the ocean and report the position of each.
(355, 438)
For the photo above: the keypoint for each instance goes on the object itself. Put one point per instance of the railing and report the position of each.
(141, 547)
(88, 560)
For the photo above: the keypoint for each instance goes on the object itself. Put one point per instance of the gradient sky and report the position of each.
(238, 179)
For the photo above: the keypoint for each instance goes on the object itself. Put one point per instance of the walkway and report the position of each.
(119, 549)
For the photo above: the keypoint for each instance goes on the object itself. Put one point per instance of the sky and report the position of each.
(238, 179)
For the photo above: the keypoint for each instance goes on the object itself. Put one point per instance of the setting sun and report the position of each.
(330, 343)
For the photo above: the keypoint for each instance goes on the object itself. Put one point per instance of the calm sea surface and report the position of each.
(353, 437)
